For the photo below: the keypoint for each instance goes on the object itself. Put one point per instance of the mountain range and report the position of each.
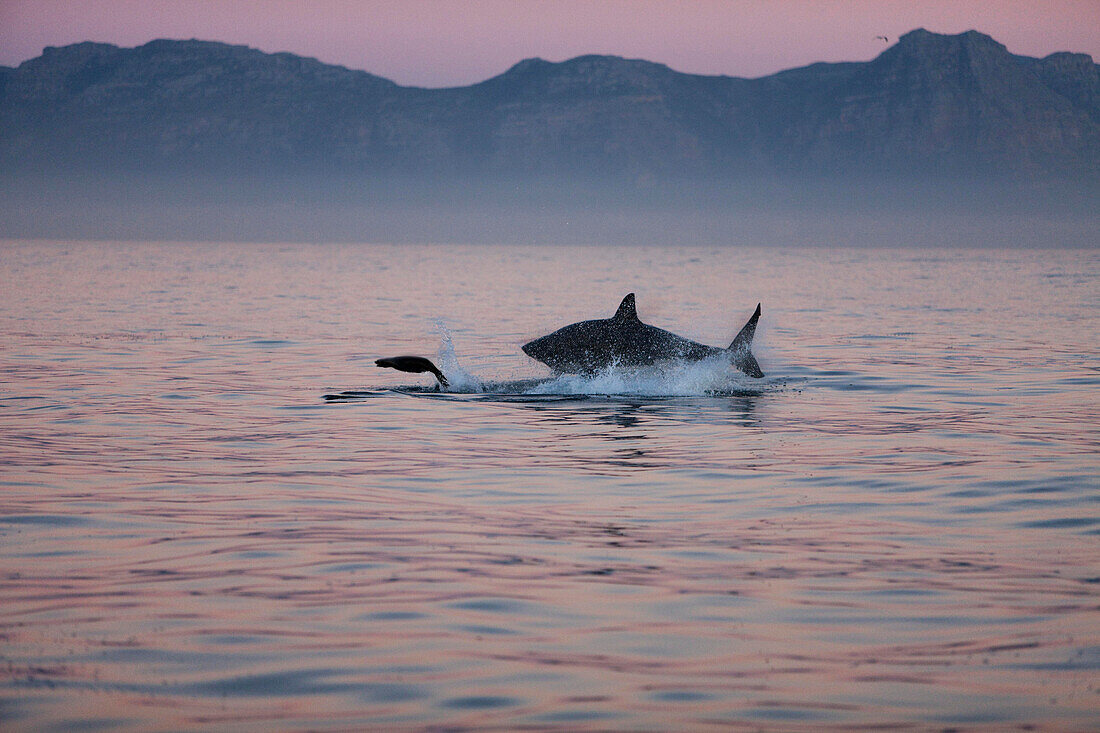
(929, 105)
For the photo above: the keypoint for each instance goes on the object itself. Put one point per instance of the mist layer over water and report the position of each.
(896, 527)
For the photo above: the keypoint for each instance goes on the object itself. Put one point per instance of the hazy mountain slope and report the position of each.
(948, 104)
(931, 104)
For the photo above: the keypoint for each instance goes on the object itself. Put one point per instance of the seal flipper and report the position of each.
(627, 310)
(739, 350)
(414, 364)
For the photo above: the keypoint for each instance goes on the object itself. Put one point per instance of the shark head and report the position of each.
(586, 346)
(569, 349)
(541, 349)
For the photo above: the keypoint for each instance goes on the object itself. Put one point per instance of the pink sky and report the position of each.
(453, 42)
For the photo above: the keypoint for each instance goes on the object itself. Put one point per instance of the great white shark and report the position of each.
(623, 340)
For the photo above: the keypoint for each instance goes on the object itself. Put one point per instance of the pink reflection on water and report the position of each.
(474, 603)
(191, 537)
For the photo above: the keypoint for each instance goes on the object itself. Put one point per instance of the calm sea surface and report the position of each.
(898, 527)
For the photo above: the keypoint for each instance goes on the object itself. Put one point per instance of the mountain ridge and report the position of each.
(929, 105)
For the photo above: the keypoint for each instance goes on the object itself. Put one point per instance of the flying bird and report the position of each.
(884, 38)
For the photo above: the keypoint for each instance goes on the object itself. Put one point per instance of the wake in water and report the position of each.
(711, 377)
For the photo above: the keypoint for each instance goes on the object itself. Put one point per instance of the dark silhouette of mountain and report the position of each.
(930, 105)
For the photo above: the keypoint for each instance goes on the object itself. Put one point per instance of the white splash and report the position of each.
(671, 379)
(714, 376)
(460, 380)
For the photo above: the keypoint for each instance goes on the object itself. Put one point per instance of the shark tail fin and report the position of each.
(739, 350)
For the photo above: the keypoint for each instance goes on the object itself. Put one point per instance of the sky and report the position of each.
(437, 43)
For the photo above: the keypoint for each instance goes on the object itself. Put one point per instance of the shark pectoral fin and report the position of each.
(627, 310)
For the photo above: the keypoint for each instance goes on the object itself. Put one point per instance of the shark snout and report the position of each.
(534, 349)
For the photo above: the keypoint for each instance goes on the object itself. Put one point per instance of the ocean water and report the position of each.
(896, 527)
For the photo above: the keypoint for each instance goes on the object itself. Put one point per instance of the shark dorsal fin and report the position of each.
(627, 311)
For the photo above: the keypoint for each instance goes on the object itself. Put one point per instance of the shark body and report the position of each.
(623, 340)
